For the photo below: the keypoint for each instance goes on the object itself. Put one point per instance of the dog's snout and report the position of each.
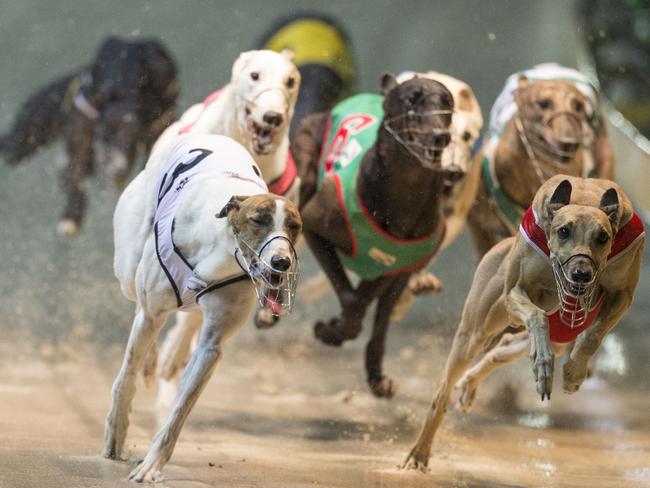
(568, 145)
(581, 275)
(280, 263)
(273, 118)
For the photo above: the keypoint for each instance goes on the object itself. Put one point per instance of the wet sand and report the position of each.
(286, 414)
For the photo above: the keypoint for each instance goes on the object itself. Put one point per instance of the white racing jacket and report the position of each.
(197, 156)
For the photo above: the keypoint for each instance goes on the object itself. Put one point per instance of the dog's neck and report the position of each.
(401, 195)
(227, 122)
(515, 169)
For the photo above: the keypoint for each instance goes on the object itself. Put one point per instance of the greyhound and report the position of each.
(370, 190)
(106, 111)
(546, 121)
(192, 231)
(568, 277)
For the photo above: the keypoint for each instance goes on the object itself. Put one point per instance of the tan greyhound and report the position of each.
(546, 121)
(568, 277)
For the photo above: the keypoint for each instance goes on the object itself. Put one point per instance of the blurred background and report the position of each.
(59, 297)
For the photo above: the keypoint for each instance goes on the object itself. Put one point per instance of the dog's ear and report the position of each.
(522, 81)
(465, 100)
(609, 204)
(233, 204)
(241, 62)
(388, 82)
(561, 197)
(288, 54)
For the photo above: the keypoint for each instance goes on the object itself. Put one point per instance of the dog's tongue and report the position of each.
(273, 305)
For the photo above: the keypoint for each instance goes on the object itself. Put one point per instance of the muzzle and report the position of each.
(427, 154)
(275, 288)
(576, 299)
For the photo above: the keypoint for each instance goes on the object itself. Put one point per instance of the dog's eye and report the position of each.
(291, 81)
(563, 233)
(257, 220)
(414, 98)
(255, 75)
(602, 238)
(578, 106)
(545, 103)
(466, 136)
(293, 226)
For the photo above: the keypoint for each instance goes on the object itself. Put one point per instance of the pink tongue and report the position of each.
(275, 307)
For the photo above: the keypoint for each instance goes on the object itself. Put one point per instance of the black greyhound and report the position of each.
(371, 184)
(106, 111)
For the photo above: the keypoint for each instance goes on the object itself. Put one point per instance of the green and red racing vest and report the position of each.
(351, 131)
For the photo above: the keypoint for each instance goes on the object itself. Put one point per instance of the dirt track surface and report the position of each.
(289, 414)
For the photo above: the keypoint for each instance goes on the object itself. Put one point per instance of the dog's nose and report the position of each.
(280, 263)
(568, 147)
(581, 275)
(273, 118)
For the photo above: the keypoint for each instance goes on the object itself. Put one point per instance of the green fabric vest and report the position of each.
(352, 130)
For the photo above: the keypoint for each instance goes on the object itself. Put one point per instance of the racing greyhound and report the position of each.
(568, 277)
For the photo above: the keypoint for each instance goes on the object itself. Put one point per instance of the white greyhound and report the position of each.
(255, 109)
(184, 230)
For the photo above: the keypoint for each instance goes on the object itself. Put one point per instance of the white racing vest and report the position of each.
(195, 157)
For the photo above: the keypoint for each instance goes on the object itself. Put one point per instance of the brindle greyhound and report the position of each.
(540, 125)
(396, 193)
(567, 278)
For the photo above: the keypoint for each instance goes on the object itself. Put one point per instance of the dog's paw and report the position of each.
(147, 472)
(383, 387)
(265, 318)
(67, 228)
(543, 360)
(416, 461)
(424, 282)
(467, 394)
(573, 375)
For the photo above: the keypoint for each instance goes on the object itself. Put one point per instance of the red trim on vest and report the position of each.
(209, 100)
(346, 217)
(536, 237)
(282, 184)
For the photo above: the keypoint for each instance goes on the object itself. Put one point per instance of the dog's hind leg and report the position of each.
(39, 121)
(510, 348)
(79, 142)
(143, 333)
(383, 386)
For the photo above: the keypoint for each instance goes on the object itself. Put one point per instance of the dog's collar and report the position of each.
(82, 104)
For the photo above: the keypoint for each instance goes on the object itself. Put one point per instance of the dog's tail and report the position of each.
(322, 53)
(39, 121)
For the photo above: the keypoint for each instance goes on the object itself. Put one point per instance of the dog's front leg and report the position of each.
(383, 386)
(223, 313)
(523, 311)
(576, 369)
(79, 144)
(144, 331)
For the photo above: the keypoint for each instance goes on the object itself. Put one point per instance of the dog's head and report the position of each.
(580, 234)
(418, 115)
(266, 228)
(131, 84)
(553, 116)
(467, 122)
(266, 86)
